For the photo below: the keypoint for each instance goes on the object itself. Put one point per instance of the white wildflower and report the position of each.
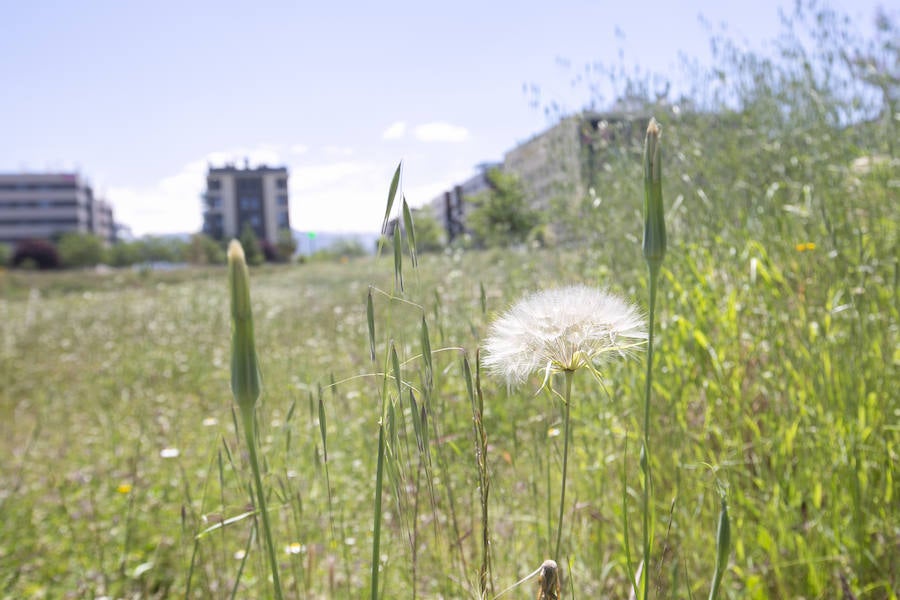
(560, 330)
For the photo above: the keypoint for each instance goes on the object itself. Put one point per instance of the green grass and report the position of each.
(779, 386)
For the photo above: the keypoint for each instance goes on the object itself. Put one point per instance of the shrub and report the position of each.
(203, 250)
(39, 253)
(252, 248)
(81, 250)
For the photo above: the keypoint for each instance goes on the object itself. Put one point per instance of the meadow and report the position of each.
(126, 475)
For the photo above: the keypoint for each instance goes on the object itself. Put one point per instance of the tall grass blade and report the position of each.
(723, 549)
(398, 260)
(392, 194)
(376, 525)
(370, 320)
(410, 233)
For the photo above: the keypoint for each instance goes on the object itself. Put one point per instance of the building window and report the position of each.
(249, 204)
(213, 184)
(214, 202)
(281, 183)
(282, 200)
(284, 221)
(212, 226)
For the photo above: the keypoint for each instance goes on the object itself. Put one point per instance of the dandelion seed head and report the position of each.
(562, 329)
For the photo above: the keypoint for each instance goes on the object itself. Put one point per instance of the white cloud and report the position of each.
(342, 196)
(299, 149)
(315, 177)
(439, 131)
(395, 131)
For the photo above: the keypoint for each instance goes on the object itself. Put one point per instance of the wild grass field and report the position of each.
(126, 475)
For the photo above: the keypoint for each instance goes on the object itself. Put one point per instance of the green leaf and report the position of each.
(426, 354)
(322, 428)
(370, 318)
(395, 365)
(398, 260)
(410, 233)
(392, 193)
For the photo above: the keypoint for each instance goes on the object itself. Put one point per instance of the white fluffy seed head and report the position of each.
(562, 329)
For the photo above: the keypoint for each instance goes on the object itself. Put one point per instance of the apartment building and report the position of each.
(48, 205)
(236, 197)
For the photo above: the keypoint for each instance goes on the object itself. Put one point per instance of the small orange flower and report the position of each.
(805, 246)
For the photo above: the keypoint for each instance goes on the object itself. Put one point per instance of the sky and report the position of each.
(141, 97)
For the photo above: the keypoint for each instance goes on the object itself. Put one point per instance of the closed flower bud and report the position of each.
(654, 216)
(245, 383)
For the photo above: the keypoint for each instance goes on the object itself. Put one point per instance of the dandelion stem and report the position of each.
(562, 496)
(645, 448)
(654, 250)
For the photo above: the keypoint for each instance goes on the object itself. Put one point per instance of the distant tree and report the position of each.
(80, 250)
(5, 254)
(340, 250)
(160, 249)
(36, 253)
(203, 250)
(124, 254)
(252, 249)
(429, 233)
(286, 245)
(501, 216)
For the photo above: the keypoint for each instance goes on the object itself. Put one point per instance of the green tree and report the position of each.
(429, 233)
(501, 216)
(160, 249)
(124, 254)
(203, 250)
(252, 249)
(80, 250)
(341, 250)
(286, 245)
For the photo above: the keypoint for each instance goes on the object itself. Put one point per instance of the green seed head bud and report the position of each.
(245, 383)
(654, 216)
(723, 538)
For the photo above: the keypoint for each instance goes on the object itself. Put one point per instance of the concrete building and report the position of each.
(236, 197)
(561, 163)
(48, 205)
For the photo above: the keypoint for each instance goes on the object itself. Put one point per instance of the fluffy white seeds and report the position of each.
(559, 330)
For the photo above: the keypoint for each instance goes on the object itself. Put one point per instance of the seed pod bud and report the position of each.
(654, 216)
(245, 384)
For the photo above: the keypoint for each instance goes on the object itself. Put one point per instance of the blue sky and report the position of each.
(140, 96)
